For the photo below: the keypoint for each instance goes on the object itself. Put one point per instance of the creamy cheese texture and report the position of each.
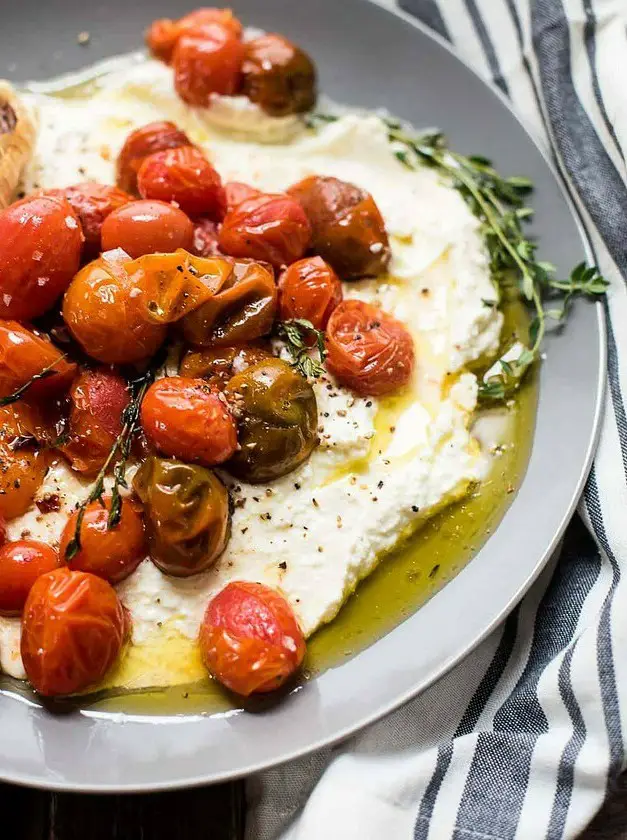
(383, 466)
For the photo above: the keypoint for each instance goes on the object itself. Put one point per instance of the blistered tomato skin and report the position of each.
(186, 177)
(250, 640)
(24, 353)
(237, 192)
(147, 227)
(40, 249)
(185, 419)
(73, 629)
(218, 365)
(21, 563)
(279, 76)
(145, 141)
(23, 468)
(270, 228)
(163, 35)
(93, 203)
(368, 350)
(110, 553)
(309, 289)
(207, 63)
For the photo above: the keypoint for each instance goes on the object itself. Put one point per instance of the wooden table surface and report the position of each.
(210, 813)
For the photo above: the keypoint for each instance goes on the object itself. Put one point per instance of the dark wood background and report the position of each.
(210, 813)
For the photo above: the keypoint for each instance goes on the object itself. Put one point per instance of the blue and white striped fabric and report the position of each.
(524, 738)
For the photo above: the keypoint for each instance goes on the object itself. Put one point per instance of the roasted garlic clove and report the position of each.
(17, 139)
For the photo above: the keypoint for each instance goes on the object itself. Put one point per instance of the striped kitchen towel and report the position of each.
(524, 738)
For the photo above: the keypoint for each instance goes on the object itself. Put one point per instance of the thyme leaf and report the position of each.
(44, 374)
(297, 334)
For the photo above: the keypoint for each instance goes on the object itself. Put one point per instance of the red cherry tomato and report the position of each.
(368, 350)
(236, 193)
(309, 289)
(73, 629)
(270, 228)
(186, 419)
(145, 141)
(207, 62)
(249, 638)
(163, 34)
(21, 563)
(23, 468)
(145, 227)
(206, 235)
(109, 553)
(185, 176)
(40, 251)
(24, 353)
(93, 203)
(3, 530)
(98, 399)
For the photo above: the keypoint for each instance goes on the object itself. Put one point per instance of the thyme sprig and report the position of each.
(121, 451)
(499, 203)
(37, 377)
(297, 334)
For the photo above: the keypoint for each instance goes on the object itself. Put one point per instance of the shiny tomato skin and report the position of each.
(368, 350)
(186, 177)
(145, 141)
(73, 629)
(93, 203)
(105, 315)
(207, 62)
(311, 290)
(23, 468)
(184, 418)
(237, 192)
(98, 399)
(206, 236)
(112, 554)
(163, 34)
(249, 638)
(21, 563)
(269, 228)
(40, 250)
(3, 530)
(146, 227)
(23, 354)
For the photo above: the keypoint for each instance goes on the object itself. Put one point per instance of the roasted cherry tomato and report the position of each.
(163, 34)
(109, 553)
(348, 230)
(250, 639)
(3, 530)
(368, 350)
(277, 420)
(40, 251)
(25, 353)
(184, 418)
(206, 63)
(310, 290)
(73, 629)
(218, 365)
(145, 227)
(106, 316)
(236, 193)
(242, 309)
(174, 285)
(23, 465)
(92, 204)
(206, 236)
(98, 399)
(271, 228)
(186, 512)
(145, 141)
(278, 76)
(21, 563)
(185, 176)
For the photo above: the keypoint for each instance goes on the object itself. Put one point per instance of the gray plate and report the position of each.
(367, 57)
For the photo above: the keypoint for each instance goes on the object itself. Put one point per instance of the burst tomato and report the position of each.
(309, 289)
(368, 350)
(163, 34)
(145, 227)
(21, 563)
(206, 235)
(271, 228)
(249, 638)
(186, 177)
(218, 365)
(109, 553)
(24, 353)
(73, 629)
(22, 466)
(145, 141)
(93, 203)
(207, 62)
(98, 399)
(106, 316)
(40, 251)
(186, 419)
